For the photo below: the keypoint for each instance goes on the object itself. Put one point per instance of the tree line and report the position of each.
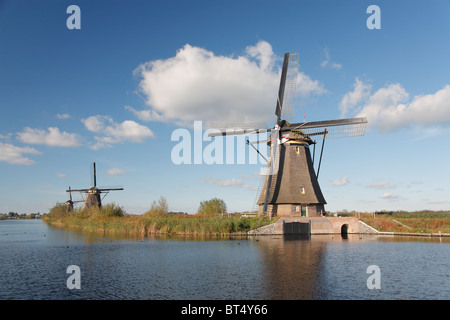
(207, 208)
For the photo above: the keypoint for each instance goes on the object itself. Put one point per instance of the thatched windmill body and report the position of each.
(93, 194)
(290, 186)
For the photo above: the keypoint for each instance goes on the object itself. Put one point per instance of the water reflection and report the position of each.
(292, 264)
(289, 266)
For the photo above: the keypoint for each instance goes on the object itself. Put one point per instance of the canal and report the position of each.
(35, 257)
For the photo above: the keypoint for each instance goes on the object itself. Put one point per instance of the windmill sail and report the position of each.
(238, 128)
(341, 128)
(288, 85)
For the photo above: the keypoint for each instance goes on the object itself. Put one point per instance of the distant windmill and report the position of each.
(291, 187)
(69, 203)
(93, 194)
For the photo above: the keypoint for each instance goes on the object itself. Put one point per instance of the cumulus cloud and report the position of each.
(111, 132)
(306, 86)
(341, 182)
(50, 137)
(145, 115)
(15, 155)
(328, 63)
(233, 182)
(391, 108)
(360, 93)
(196, 84)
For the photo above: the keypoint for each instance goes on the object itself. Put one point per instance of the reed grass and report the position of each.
(416, 222)
(112, 218)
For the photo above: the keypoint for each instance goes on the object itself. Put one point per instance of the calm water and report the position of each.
(34, 259)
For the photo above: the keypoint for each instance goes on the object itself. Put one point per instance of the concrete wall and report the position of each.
(337, 223)
(315, 225)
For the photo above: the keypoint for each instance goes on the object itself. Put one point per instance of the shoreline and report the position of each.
(414, 234)
(112, 219)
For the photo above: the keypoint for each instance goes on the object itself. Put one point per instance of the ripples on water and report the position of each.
(34, 259)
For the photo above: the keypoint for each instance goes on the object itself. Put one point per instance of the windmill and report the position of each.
(69, 203)
(291, 186)
(93, 194)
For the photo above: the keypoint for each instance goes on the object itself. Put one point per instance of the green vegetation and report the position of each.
(109, 210)
(158, 209)
(212, 219)
(157, 220)
(212, 208)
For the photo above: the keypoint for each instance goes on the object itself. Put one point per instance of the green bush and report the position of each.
(212, 208)
(58, 211)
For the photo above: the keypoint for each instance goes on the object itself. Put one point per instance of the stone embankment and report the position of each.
(328, 225)
(312, 225)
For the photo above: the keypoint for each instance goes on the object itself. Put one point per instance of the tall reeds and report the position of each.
(111, 218)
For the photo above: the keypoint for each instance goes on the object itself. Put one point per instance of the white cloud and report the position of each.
(61, 175)
(360, 93)
(389, 196)
(145, 115)
(262, 51)
(96, 123)
(112, 132)
(381, 185)
(115, 171)
(196, 84)
(341, 182)
(14, 155)
(233, 182)
(306, 86)
(63, 116)
(52, 137)
(328, 63)
(390, 108)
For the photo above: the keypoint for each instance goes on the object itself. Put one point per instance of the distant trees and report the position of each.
(212, 208)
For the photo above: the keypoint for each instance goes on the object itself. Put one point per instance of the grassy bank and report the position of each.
(414, 222)
(112, 219)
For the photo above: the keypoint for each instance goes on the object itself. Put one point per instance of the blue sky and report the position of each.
(115, 90)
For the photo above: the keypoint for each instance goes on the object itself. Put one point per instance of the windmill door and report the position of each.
(303, 211)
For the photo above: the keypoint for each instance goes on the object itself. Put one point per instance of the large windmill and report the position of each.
(93, 194)
(290, 186)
